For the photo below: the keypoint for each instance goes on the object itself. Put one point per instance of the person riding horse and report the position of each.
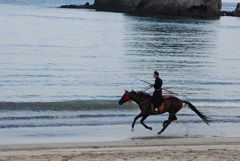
(157, 99)
(170, 103)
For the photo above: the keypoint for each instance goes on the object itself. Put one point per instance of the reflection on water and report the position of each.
(167, 39)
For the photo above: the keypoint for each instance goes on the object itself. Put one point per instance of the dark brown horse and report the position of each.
(171, 105)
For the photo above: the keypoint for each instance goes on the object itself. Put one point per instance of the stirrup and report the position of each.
(155, 110)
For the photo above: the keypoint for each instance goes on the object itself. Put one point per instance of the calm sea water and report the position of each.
(63, 71)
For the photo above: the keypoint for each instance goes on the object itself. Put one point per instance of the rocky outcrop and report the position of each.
(237, 11)
(171, 7)
(160, 7)
(232, 13)
(86, 5)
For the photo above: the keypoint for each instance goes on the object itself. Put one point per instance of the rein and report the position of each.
(127, 98)
(144, 101)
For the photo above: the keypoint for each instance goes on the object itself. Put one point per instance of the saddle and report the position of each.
(161, 107)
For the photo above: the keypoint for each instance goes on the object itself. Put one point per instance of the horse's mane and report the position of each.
(142, 93)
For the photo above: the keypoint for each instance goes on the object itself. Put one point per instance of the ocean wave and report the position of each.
(59, 106)
(104, 105)
(61, 117)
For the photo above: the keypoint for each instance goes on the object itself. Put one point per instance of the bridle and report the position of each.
(127, 98)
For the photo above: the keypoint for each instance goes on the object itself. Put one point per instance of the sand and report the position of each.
(141, 149)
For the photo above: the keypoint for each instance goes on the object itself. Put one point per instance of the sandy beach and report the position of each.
(164, 149)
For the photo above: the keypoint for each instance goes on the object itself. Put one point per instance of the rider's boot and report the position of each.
(155, 110)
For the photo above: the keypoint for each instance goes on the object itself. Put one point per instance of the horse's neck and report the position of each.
(139, 99)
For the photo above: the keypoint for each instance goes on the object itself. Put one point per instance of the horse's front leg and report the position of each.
(143, 118)
(135, 119)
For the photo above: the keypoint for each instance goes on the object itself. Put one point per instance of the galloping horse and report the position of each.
(171, 105)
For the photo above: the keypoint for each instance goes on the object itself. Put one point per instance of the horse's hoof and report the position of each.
(150, 128)
(132, 129)
(159, 133)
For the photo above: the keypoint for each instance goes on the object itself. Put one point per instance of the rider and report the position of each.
(157, 94)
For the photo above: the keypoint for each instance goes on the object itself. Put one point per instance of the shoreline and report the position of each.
(219, 148)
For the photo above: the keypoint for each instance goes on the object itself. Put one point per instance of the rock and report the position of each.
(86, 5)
(237, 11)
(226, 13)
(162, 7)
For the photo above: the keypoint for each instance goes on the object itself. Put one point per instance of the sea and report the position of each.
(63, 71)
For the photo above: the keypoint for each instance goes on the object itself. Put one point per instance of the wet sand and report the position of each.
(156, 148)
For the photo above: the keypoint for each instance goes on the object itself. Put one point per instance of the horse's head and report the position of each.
(124, 98)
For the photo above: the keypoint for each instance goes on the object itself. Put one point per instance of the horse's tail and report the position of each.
(203, 117)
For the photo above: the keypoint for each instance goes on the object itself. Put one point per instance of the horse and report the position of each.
(170, 104)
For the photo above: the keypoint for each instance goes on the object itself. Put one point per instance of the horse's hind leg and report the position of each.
(165, 122)
(143, 118)
(170, 119)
